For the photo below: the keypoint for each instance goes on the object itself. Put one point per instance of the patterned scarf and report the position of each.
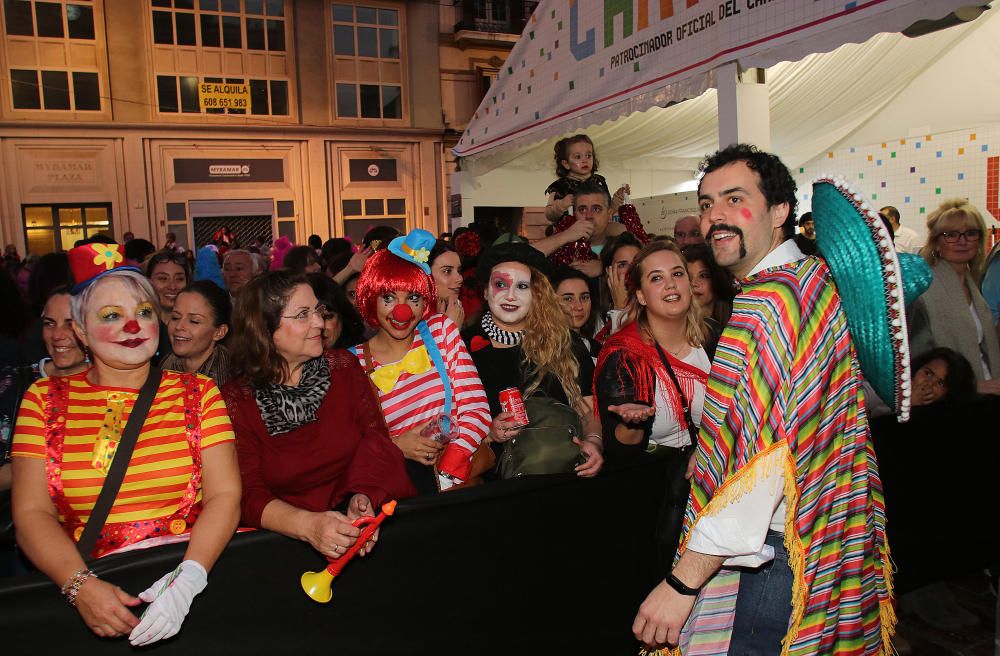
(644, 366)
(284, 408)
(497, 334)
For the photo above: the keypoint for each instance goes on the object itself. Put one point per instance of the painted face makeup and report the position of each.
(509, 295)
(120, 330)
(736, 219)
(398, 313)
(402, 314)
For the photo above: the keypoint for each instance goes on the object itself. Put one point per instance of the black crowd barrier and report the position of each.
(941, 475)
(551, 565)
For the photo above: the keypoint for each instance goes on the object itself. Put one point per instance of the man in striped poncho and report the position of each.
(786, 486)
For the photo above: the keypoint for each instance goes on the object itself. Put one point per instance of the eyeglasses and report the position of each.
(303, 316)
(952, 236)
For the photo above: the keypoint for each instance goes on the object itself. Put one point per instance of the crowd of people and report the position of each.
(298, 388)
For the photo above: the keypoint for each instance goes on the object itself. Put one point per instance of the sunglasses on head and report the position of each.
(161, 258)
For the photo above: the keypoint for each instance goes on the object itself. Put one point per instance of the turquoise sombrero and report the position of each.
(875, 282)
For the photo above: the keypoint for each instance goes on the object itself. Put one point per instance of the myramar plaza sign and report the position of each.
(216, 95)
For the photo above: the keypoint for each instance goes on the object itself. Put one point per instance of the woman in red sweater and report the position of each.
(309, 431)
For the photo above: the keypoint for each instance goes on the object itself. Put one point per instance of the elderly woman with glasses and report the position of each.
(313, 449)
(952, 312)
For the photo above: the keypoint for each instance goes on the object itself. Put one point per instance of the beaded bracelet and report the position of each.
(72, 587)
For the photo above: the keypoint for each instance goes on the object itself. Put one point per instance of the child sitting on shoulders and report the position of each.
(576, 163)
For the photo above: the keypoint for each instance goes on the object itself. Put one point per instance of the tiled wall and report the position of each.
(916, 174)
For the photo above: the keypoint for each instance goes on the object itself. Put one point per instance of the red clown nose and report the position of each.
(402, 313)
(132, 327)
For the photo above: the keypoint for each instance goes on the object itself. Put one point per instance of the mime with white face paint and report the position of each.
(524, 321)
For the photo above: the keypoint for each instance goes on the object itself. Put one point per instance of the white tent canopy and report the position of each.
(889, 86)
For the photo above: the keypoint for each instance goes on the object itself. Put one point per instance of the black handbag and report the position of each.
(545, 445)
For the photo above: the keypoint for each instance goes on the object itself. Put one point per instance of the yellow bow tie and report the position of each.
(416, 362)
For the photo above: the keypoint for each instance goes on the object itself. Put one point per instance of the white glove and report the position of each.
(169, 600)
(446, 481)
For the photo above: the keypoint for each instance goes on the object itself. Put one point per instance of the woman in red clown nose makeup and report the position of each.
(429, 389)
(166, 434)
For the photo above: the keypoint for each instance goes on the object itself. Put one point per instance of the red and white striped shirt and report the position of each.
(417, 398)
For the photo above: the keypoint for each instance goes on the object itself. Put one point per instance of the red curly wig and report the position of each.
(387, 273)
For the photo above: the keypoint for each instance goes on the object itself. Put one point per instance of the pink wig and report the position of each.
(387, 273)
(281, 247)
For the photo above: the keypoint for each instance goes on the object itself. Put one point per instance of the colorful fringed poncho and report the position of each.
(786, 371)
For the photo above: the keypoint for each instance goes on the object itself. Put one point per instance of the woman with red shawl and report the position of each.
(651, 378)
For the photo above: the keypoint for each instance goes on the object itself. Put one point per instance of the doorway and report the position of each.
(248, 219)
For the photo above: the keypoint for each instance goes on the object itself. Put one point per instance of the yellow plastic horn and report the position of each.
(318, 585)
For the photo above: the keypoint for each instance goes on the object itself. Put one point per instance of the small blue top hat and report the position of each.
(415, 247)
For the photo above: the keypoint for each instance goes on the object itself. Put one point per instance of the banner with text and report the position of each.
(582, 62)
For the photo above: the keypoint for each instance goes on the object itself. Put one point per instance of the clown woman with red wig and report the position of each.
(425, 380)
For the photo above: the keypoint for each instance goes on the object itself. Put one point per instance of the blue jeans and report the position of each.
(763, 605)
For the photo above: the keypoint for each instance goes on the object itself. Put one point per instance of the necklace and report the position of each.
(676, 352)
(499, 335)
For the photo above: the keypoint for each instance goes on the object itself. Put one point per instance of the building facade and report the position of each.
(275, 117)
(476, 38)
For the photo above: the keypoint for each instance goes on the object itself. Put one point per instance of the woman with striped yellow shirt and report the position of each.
(181, 483)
